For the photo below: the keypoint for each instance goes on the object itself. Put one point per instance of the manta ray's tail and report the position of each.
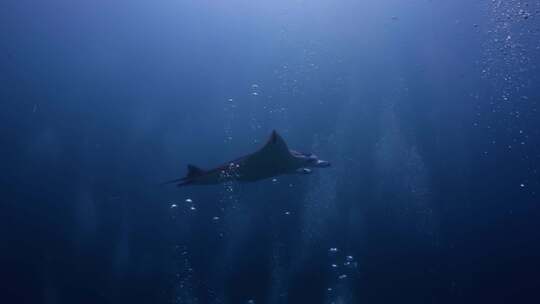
(184, 182)
(193, 171)
(173, 181)
(179, 182)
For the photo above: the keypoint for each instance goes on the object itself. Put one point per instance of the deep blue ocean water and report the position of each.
(427, 109)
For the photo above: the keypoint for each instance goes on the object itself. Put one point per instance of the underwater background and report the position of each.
(427, 109)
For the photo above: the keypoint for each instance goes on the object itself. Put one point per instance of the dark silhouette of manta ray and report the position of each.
(273, 159)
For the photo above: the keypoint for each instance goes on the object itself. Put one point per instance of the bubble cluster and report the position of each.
(342, 265)
(255, 90)
(505, 109)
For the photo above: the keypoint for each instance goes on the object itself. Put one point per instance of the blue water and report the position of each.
(428, 111)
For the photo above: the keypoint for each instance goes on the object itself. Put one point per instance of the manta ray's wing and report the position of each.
(275, 151)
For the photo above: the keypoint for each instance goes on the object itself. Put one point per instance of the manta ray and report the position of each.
(272, 160)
